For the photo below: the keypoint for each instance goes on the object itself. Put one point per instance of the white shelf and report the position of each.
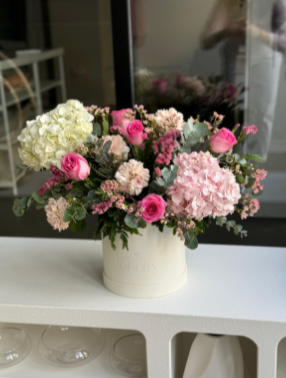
(34, 367)
(231, 290)
(23, 94)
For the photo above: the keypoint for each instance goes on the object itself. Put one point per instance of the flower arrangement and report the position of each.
(142, 169)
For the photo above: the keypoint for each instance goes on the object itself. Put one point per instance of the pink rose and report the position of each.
(154, 207)
(119, 117)
(223, 141)
(180, 79)
(250, 129)
(231, 91)
(160, 86)
(75, 166)
(135, 134)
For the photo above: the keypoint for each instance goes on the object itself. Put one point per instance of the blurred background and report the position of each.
(199, 57)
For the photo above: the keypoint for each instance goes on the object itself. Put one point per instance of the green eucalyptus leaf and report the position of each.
(160, 181)
(131, 221)
(166, 173)
(77, 226)
(255, 158)
(192, 243)
(201, 129)
(187, 130)
(105, 125)
(18, 207)
(106, 147)
(97, 129)
(38, 198)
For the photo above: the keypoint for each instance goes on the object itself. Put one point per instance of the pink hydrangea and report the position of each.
(202, 188)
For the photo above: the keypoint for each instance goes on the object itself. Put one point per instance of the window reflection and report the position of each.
(222, 55)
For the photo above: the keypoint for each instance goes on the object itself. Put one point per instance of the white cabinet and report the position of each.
(231, 290)
(10, 126)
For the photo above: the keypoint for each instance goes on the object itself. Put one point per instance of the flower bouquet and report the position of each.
(145, 173)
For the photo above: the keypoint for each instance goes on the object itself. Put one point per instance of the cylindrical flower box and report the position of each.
(155, 264)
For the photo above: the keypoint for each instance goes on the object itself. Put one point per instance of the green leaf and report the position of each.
(105, 126)
(75, 212)
(237, 229)
(131, 221)
(98, 159)
(160, 181)
(231, 223)
(242, 162)
(166, 173)
(142, 223)
(154, 187)
(19, 207)
(38, 198)
(77, 226)
(240, 179)
(106, 147)
(192, 243)
(188, 129)
(254, 157)
(97, 129)
(201, 129)
(80, 213)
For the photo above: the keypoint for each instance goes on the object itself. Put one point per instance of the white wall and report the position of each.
(173, 29)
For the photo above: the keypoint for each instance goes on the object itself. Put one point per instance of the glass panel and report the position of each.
(50, 51)
(219, 55)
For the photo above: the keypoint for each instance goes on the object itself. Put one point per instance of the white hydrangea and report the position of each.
(49, 137)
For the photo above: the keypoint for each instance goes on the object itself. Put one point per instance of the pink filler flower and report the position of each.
(250, 129)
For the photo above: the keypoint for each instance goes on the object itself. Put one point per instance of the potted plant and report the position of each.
(154, 182)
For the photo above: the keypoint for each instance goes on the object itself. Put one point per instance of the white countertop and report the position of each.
(230, 282)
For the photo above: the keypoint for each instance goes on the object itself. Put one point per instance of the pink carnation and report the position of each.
(250, 129)
(202, 188)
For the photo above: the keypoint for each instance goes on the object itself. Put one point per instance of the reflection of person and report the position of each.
(227, 24)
